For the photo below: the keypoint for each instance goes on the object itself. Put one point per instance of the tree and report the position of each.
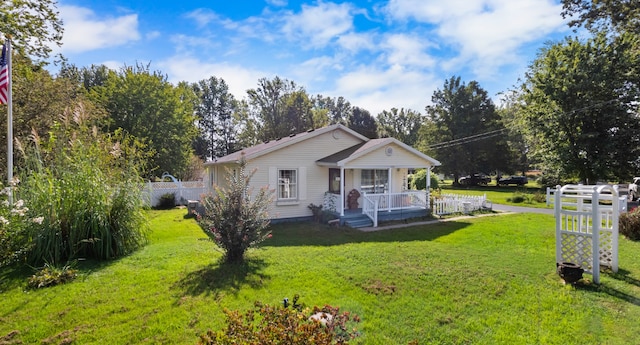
(362, 122)
(282, 107)
(32, 25)
(214, 109)
(580, 114)
(39, 100)
(235, 218)
(337, 110)
(147, 106)
(463, 130)
(603, 15)
(400, 124)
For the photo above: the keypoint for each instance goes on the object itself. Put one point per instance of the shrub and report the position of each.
(418, 180)
(629, 224)
(235, 219)
(50, 276)
(540, 197)
(167, 201)
(87, 188)
(14, 221)
(517, 198)
(282, 325)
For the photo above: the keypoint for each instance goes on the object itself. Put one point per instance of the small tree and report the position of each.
(235, 219)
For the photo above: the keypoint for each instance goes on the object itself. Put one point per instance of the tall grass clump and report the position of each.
(87, 188)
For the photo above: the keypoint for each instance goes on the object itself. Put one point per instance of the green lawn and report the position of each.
(501, 194)
(487, 280)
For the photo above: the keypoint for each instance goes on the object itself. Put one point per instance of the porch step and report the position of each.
(358, 222)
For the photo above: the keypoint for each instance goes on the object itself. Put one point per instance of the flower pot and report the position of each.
(569, 272)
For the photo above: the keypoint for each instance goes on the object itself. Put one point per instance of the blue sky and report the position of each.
(376, 54)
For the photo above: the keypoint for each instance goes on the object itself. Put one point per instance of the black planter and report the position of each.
(569, 271)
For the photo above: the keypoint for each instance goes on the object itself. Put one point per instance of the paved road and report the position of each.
(518, 209)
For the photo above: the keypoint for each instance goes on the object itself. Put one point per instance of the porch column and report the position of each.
(389, 179)
(342, 185)
(428, 184)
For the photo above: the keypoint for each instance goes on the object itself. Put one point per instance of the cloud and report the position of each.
(202, 16)
(317, 25)
(84, 31)
(191, 69)
(377, 89)
(486, 34)
(408, 50)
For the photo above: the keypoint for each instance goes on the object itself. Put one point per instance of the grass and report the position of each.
(488, 280)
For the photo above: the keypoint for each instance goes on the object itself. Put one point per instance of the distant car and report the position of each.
(634, 191)
(517, 180)
(474, 180)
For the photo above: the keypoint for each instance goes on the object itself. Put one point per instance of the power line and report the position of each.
(469, 139)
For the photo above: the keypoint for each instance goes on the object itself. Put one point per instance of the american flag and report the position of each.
(4, 76)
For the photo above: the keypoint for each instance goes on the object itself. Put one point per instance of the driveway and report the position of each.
(519, 209)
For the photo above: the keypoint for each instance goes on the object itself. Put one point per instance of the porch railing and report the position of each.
(370, 208)
(399, 201)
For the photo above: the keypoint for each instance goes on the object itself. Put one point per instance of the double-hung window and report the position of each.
(287, 184)
(374, 181)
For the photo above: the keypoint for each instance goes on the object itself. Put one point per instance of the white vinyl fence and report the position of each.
(182, 190)
(454, 203)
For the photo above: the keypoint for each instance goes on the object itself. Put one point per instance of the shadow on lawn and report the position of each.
(219, 277)
(314, 234)
(622, 275)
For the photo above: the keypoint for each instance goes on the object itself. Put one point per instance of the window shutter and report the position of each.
(302, 183)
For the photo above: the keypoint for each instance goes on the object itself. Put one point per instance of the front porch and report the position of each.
(380, 207)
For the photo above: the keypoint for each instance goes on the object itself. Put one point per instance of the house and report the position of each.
(332, 166)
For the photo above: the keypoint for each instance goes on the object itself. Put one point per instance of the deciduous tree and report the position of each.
(214, 108)
(32, 25)
(400, 124)
(464, 123)
(581, 108)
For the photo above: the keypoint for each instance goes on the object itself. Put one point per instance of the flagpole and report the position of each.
(9, 123)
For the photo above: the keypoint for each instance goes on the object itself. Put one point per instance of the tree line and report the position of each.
(574, 114)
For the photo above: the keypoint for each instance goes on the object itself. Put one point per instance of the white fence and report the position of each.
(183, 191)
(623, 198)
(454, 203)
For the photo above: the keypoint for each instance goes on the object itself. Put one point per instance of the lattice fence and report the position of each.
(587, 226)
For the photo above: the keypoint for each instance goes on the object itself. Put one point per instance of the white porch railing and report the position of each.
(454, 203)
(370, 208)
(399, 201)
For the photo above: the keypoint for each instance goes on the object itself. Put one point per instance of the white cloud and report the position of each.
(317, 25)
(202, 16)
(190, 69)
(378, 89)
(406, 50)
(487, 33)
(84, 31)
(357, 41)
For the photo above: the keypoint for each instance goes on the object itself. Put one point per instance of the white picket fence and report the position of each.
(182, 190)
(455, 203)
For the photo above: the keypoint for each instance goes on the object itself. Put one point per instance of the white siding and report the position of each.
(302, 157)
(399, 158)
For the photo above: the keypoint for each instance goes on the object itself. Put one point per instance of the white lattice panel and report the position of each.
(587, 226)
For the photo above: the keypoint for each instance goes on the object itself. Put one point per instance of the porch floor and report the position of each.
(355, 219)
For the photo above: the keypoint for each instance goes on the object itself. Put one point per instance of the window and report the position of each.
(374, 181)
(334, 181)
(287, 184)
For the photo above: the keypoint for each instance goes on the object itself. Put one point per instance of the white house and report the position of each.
(332, 166)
